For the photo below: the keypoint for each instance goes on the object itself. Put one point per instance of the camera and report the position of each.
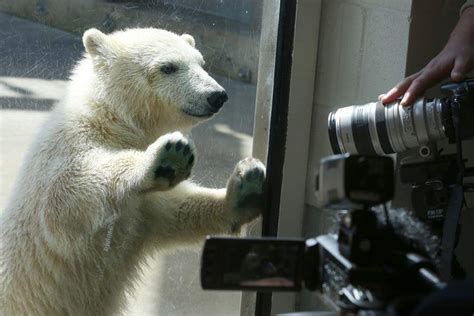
(437, 180)
(346, 181)
(375, 129)
(380, 260)
(367, 266)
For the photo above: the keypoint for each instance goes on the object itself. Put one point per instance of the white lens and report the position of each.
(376, 129)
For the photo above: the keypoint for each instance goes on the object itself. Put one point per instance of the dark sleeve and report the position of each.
(455, 299)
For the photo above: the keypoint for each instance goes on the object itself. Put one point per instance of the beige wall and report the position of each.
(362, 52)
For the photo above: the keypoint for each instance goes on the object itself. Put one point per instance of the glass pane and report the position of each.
(40, 42)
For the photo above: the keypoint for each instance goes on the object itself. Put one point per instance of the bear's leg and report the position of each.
(164, 164)
(189, 212)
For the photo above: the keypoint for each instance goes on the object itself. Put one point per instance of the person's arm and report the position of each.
(455, 60)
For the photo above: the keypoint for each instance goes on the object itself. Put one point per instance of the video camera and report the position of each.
(372, 264)
(437, 180)
(377, 129)
(365, 267)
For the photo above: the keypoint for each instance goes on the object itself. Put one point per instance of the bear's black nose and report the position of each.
(216, 100)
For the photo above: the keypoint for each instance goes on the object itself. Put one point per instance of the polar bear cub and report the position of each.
(104, 183)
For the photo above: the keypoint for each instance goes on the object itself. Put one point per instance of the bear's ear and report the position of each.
(188, 38)
(96, 43)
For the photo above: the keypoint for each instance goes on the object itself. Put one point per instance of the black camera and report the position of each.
(365, 267)
(346, 181)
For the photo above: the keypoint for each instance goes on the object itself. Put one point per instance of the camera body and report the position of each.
(349, 182)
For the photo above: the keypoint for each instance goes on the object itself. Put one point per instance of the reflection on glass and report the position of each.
(266, 267)
(261, 265)
(40, 42)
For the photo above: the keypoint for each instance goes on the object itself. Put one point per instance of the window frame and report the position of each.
(289, 134)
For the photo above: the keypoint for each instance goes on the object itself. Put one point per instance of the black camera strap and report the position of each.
(450, 266)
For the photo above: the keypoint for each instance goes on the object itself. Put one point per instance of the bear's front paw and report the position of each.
(173, 158)
(245, 190)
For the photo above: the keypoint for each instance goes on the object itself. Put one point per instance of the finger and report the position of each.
(460, 69)
(427, 79)
(398, 90)
(395, 92)
(416, 88)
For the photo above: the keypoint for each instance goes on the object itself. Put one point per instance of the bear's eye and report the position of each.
(168, 69)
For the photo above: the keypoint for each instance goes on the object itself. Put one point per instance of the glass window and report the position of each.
(40, 41)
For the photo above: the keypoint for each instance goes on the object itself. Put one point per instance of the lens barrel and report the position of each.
(375, 129)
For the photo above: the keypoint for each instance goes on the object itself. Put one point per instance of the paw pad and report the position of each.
(174, 159)
(165, 172)
(246, 187)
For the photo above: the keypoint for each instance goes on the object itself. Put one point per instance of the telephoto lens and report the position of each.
(375, 129)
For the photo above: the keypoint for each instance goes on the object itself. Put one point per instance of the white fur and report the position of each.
(88, 205)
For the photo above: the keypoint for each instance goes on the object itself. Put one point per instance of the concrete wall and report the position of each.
(362, 52)
(229, 43)
(365, 47)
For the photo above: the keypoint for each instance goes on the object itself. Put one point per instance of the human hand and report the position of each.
(455, 60)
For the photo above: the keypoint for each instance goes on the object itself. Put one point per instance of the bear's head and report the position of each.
(154, 74)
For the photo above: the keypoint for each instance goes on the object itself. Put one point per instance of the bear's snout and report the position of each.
(216, 100)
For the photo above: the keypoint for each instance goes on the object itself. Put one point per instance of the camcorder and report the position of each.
(365, 266)
(437, 180)
(379, 260)
(377, 129)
